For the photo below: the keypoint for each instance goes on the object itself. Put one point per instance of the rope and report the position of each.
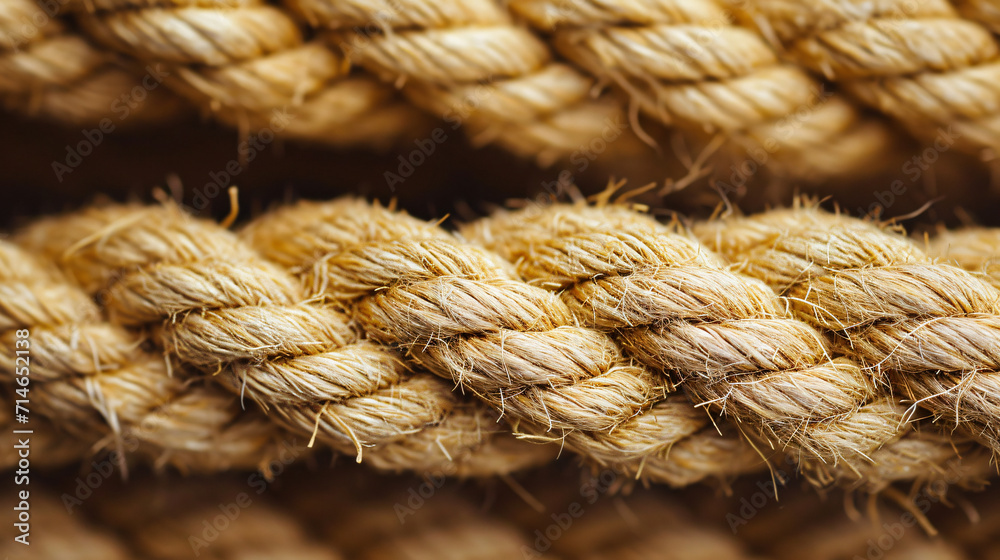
(247, 63)
(465, 315)
(927, 327)
(689, 64)
(920, 63)
(94, 377)
(331, 71)
(219, 307)
(575, 334)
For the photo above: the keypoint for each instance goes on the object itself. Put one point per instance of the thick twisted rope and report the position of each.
(465, 315)
(687, 63)
(467, 62)
(93, 379)
(928, 327)
(579, 354)
(220, 307)
(678, 311)
(48, 70)
(247, 63)
(723, 336)
(919, 62)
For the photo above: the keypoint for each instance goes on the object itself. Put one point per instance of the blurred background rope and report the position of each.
(329, 72)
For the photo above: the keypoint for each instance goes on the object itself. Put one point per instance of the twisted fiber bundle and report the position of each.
(48, 70)
(676, 309)
(465, 315)
(724, 337)
(90, 377)
(919, 62)
(929, 328)
(465, 61)
(247, 62)
(547, 356)
(215, 304)
(687, 63)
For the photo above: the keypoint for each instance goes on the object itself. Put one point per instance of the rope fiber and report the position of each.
(671, 354)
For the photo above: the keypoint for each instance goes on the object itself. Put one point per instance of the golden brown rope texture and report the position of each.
(919, 62)
(683, 62)
(246, 62)
(929, 328)
(676, 309)
(723, 336)
(688, 63)
(217, 305)
(547, 353)
(465, 315)
(48, 70)
(95, 380)
(454, 53)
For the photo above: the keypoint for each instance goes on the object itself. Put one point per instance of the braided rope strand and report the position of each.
(91, 377)
(219, 306)
(928, 327)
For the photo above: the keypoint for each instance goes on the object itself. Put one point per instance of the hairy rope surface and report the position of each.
(576, 333)
(464, 314)
(48, 70)
(248, 63)
(919, 62)
(217, 305)
(255, 66)
(721, 335)
(92, 378)
(687, 63)
(929, 328)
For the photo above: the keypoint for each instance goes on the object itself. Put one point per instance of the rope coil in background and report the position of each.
(705, 70)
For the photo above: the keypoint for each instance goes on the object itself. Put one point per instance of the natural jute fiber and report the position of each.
(214, 304)
(577, 334)
(48, 70)
(928, 328)
(330, 69)
(689, 64)
(311, 515)
(921, 63)
(94, 379)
